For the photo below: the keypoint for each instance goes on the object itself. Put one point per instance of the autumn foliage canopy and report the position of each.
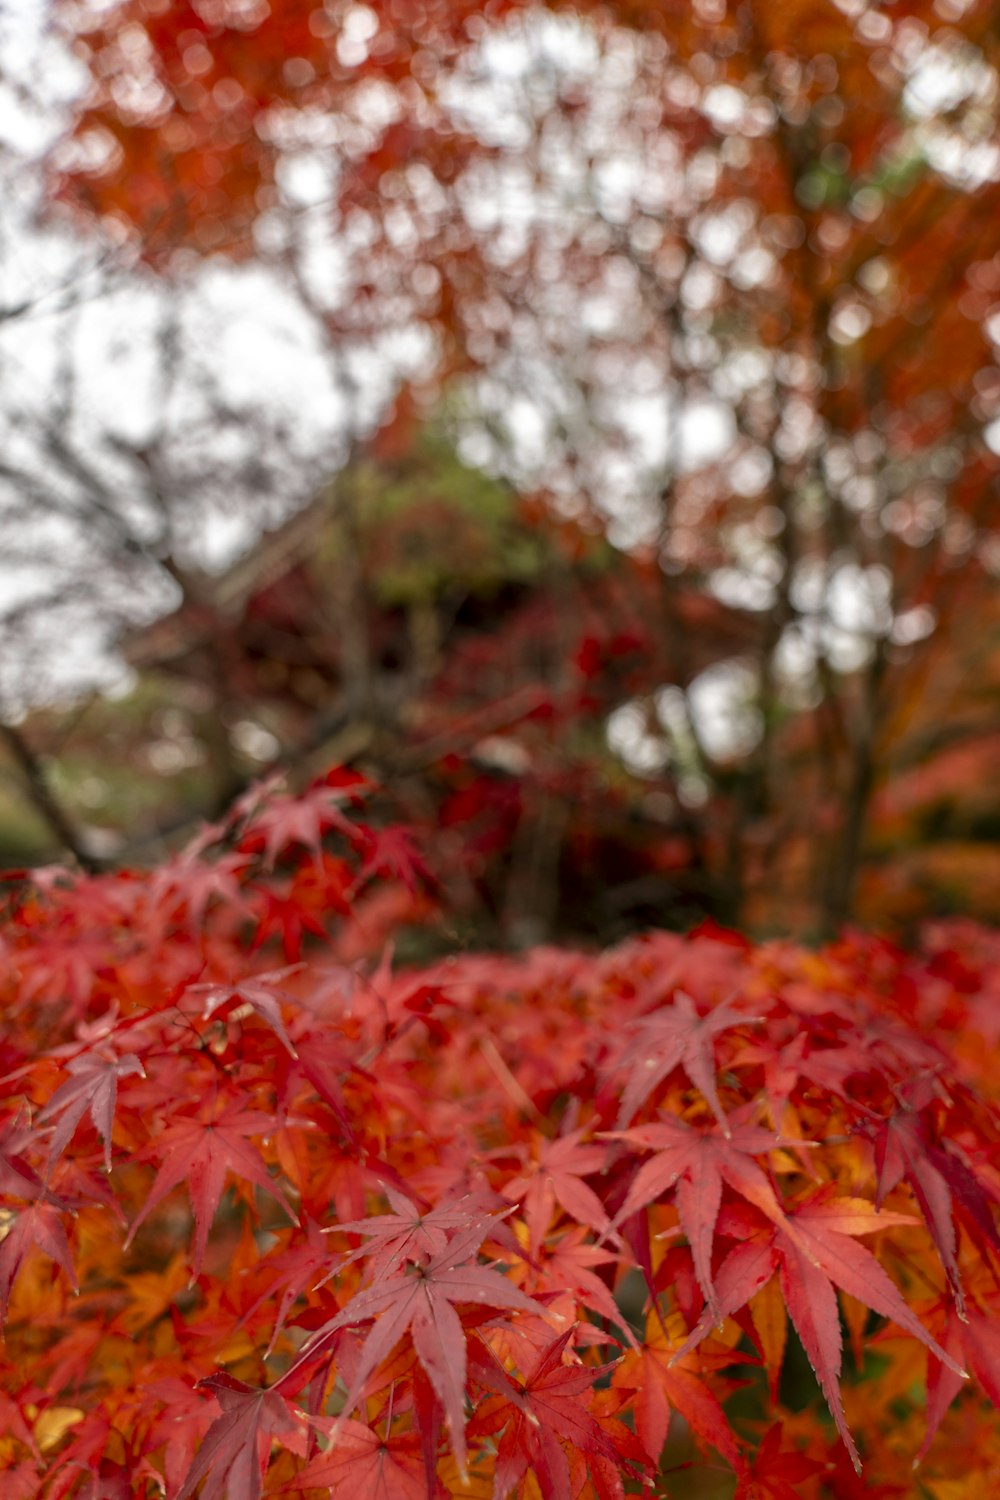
(288, 1206)
(564, 1225)
(608, 225)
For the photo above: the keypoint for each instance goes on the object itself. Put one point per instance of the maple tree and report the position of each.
(615, 224)
(483, 1227)
(700, 1215)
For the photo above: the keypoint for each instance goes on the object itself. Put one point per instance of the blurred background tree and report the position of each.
(584, 418)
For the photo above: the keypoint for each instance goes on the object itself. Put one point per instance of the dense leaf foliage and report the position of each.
(559, 1225)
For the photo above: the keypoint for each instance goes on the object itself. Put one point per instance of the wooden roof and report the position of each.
(218, 597)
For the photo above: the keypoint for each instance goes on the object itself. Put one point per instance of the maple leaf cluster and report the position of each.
(280, 1220)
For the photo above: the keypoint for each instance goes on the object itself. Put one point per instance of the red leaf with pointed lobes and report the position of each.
(904, 1148)
(93, 1090)
(325, 1061)
(569, 1265)
(299, 1268)
(362, 1464)
(259, 991)
(557, 1178)
(813, 1252)
(975, 1341)
(676, 1036)
(284, 911)
(407, 1234)
(392, 853)
(234, 1454)
(304, 819)
(191, 883)
(201, 1152)
(695, 1163)
(421, 1301)
(546, 1421)
(38, 1226)
(429, 1110)
(18, 1178)
(13, 1425)
(773, 1472)
(661, 1386)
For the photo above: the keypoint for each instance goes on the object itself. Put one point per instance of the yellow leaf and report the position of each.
(770, 1319)
(531, 1489)
(150, 1294)
(948, 1489)
(477, 1486)
(54, 1423)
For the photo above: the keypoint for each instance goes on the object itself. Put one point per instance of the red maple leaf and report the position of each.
(695, 1162)
(234, 1454)
(803, 1057)
(282, 911)
(304, 820)
(557, 1178)
(421, 1300)
(260, 992)
(407, 1234)
(92, 1089)
(13, 1425)
(774, 1473)
(973, 1339)
(541, 1416)
(18, 1178)
(568, 1266)
(905, 1148)
(298, 1268)
(659, 1386)
(813, 1252)
(676, 1037)
(39, 1225)
(60, 965)
(201, 1151)
(361, 1463)
(325, 1061)
(392, 853)
(189, 883)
